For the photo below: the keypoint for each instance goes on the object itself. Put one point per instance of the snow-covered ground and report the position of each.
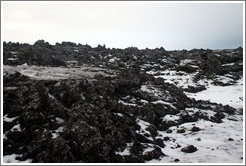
(213, 142)
(57, 73)
(12, 159)
(222, 94)
(216, 142)
(180, 79)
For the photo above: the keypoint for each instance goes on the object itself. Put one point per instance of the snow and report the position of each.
(58, 73)
(59, 120)
(213, 146)
(228, 64)
(7, 119)
(126, 97)
(51, 96)
(12, 59)
(162, 96)
(125, 103)
(144, 88)
(13, 52)
(186, 61)
(72, 62)
(150, 89)
(143, 124)
(56, 132)
(224, 79)
(163, 102)
(16, 128)
(112, 60)
(10, 88)
(150, 148)
(12, 159)
(143, 101)
(120, 114)
(126, 151)
(24, 65)
(54, 135)
(169, 117)
(212, 140)
(209, 113)
(4, 136)
(180, 79)
(60, 129)
(222, 94)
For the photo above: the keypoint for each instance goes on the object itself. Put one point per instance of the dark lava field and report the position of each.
(72, 103)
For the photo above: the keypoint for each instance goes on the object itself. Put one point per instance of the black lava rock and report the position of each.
(189, 149)
(195, 129)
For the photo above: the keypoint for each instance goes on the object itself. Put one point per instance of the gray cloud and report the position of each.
(124, 24)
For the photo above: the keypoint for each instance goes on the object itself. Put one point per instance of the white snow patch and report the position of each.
(4, 136)
(112, 60)
(57, 73)
(119, 114)
(228, 64)
(143, 101)
(222, 94)
(125, 103)
(12, 59)
(13, 52)
(12, 159)
(60, 129)
(24, 65)
(10, 88)
(126, 151)
(186, 61)
(169, 117)
(150, 89)
(59, 120)
(144, 88)
(224, 79)
(143, 124)
(180, 79)
(7, 119)
(57, 131)
(163, 102)
(126, 97)
(213, 146)
(51, 96)
(16, 128)
(54, 135)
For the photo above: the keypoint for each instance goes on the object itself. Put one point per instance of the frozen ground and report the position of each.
(57, 73)
(216, 142)
(12, 159)
(213, 142)
(222, 94)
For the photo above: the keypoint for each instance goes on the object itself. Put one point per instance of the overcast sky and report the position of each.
(125, 24)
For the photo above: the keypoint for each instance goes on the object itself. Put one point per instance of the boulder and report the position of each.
(189, 149)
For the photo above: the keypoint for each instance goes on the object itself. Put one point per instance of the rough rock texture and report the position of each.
(97, 119)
